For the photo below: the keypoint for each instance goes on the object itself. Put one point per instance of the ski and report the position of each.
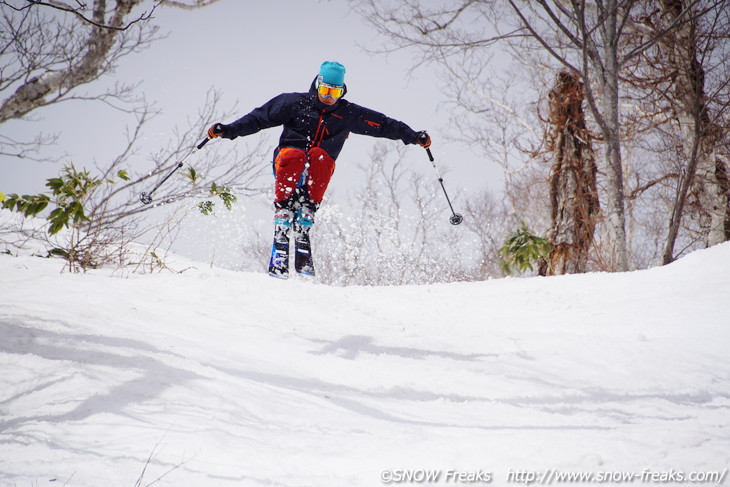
(279, 262)
(303, 262)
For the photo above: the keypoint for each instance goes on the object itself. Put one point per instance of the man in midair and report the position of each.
(315, 127)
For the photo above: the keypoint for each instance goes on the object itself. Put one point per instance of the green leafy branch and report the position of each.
(69, 193)
(228, 198)
(522, 249)
(207, 207)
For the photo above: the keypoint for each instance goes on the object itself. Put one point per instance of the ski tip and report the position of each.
(279, 275)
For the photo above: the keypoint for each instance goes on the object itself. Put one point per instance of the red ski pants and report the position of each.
(289, 166)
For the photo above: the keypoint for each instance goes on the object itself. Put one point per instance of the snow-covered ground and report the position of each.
(218, 378)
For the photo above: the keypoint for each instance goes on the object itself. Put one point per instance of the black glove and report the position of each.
(423, 139)
(216, 130)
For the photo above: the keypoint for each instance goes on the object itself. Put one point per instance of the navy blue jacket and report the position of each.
(310, 123)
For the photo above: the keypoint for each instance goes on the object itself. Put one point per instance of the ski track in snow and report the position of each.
(227, 379)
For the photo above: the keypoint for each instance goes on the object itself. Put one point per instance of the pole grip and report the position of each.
(430, 156)
(205, 141)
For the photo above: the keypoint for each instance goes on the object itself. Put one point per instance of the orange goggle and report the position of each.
(330, 90)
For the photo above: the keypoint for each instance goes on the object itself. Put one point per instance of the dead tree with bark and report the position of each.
(574, 204)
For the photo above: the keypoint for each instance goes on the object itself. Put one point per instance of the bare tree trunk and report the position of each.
(615, 211)
(608, 74)
(712, 197)
(685, 181)
(573, 190)
(705, 171)
(723, 176)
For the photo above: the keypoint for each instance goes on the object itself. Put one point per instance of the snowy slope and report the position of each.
(237, 379)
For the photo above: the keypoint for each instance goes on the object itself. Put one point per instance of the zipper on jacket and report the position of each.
(320, 128)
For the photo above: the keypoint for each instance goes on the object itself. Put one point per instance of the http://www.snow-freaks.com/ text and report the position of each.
(552, 476)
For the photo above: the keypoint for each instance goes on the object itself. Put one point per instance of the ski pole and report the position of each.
(455, 218)
(146, 198)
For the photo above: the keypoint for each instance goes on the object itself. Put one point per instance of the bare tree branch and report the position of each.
(79, 56)
(682, 18)
(77, 11)
(528, 25)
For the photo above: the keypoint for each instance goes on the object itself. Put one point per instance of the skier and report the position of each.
(315, 126)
